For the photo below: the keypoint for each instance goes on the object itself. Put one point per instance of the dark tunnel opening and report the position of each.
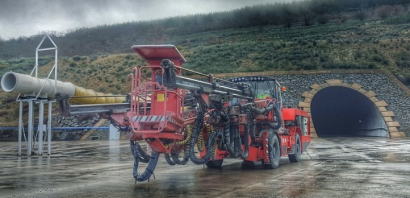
(341, 111)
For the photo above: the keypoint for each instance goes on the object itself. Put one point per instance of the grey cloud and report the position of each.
(29, 17)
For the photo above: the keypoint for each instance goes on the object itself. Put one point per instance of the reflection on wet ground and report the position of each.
(332, 167)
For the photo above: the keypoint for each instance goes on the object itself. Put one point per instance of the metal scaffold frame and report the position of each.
(41, 99)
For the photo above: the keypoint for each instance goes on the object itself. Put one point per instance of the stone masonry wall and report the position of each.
(380, 82)
(72, 121)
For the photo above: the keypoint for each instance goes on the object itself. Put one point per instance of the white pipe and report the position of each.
(29, 85)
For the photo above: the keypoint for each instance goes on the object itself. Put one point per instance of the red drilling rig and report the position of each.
(240, 117)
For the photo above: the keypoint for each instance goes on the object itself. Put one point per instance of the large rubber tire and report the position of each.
(247, 165)
(214, 163)
(273, 151)
(296, 156)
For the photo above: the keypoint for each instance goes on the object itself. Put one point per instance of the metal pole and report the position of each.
(30, 127)
(55, 62)
(20, 126)
(40, 127)
(36, 64)
(49, 128)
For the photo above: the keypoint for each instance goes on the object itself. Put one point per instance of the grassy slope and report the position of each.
(350, 45)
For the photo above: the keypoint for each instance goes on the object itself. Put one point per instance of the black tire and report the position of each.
(296, 156)
(214, 163)
(273, 151)
(247, 165)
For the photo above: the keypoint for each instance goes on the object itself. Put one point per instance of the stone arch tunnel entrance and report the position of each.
(342, 111)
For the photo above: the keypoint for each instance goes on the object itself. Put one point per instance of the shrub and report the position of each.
(377, 58)
(73, 64)
(357, 55)
(371, 66)
(309, 66)
(93, 58)
(76, 58)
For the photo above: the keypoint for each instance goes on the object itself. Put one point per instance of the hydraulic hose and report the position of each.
(200, 143)
(229, 136)
(185, 159)
(149, 170)
(209, 150)
(270, 107)
(137, 151)
(233, 140)
(277, 113)
(169, 160)
(173, 158)
(263, 110)
(245, 154)
(252, 132)
(198, 125)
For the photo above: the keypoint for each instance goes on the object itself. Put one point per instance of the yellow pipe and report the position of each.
(86, 96)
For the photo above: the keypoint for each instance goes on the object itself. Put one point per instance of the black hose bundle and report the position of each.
(169, 160)
(277, 113)
(137, 151)
(174, 157)
(152, 162)
(185, 159)
(245, 154)
(210, 149)
(268, 108)
(198, 125)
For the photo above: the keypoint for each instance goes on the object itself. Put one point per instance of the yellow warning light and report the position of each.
(283, 88)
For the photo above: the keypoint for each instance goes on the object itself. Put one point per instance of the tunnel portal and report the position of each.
(341, 111)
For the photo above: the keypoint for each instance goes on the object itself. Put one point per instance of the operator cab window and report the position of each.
(262, 87)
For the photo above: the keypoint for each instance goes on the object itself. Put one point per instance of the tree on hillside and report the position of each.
(361, 13)
(384, 11)
(306, 13)
(323, 19)
(320, 6)
(289, 15)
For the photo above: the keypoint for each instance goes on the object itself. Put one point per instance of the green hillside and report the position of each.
(343, 41)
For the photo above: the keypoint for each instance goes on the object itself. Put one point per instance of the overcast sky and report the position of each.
(30, 17)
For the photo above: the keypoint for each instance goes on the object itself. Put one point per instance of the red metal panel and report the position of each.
(153, 54)
(254, 154)
(291, 113)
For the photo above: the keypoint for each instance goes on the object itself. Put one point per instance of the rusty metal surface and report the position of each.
(332, 167)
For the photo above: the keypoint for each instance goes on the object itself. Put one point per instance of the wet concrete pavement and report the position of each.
(332, 167)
